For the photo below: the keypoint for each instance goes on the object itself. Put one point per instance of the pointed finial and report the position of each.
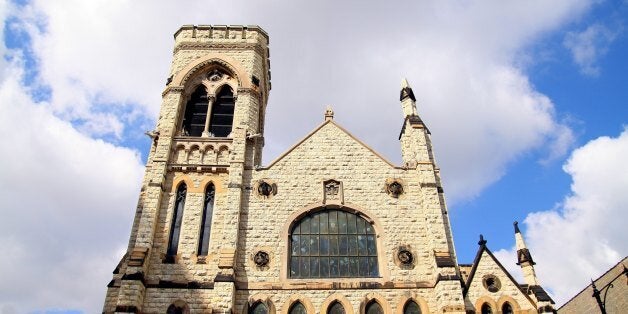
(329, 113)
(516, 224)
(406, 91)
(482, 242)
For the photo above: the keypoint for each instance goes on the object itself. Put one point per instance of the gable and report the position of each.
(487, 267)
(330, 144)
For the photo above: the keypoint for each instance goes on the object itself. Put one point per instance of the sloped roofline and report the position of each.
(331, 121)
(476, 262)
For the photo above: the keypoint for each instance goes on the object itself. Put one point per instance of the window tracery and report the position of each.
(333, 244)
(177, 217)
(206, 222)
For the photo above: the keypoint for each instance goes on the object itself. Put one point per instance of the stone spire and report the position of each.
(524, 258)
(408, 101)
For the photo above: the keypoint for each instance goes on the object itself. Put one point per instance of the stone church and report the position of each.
(330, 226)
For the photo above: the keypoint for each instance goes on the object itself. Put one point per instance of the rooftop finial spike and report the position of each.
(406, 92)
(482, 241)
(404, 83)
(329, 113)
(516, 224)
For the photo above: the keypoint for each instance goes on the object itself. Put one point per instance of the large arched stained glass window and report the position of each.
(206, 222)
(332, 244)
(177, 218)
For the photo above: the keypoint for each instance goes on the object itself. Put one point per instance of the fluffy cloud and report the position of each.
(585, 234)
(67, 203)
(588, 46)
(461, 57)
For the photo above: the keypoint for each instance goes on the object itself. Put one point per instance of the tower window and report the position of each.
(196, 112)
(177, 217)
(411, 308)
(222, 113)
(332, 244)
(206, 222)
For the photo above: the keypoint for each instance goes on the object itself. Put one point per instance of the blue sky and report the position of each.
(527, 104)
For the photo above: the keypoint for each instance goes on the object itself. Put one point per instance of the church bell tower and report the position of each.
(209, 131)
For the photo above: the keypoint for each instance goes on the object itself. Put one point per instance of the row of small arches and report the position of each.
(335, 306)
(195, 155)
(506, 309)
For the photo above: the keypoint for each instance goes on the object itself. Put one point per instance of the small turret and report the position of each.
(524, 258)
(408, 101)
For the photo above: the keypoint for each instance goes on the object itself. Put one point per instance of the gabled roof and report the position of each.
(476, 262)
(309, 135)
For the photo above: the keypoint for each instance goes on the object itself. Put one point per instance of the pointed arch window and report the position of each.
(373, 308)
(486, 309)
(258, 308)
(221, 120)
(411, 307)
(206, 222)
(196, 112)
(297, 308)
(336, 308)
(177, 217)
(332, 244)
(507, 308)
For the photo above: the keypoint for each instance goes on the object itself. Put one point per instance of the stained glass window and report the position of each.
(331, 244)
(206, 222)
(411, 308)
(177, 217)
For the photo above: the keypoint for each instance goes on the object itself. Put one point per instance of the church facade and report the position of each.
(330, 226)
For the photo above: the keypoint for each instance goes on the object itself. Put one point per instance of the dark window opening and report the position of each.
(258, 308)
(297, 308)
(411, 308)
(206, 222)
(177, 215)
(173, 309)
(507, 308)
(486, 309)
(333, 244)
(374, 308)
(195, 113)
(336, 308)
(222, 113)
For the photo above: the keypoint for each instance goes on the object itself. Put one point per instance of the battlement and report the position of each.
(221, 33)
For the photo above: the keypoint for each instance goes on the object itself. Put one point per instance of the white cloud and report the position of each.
(585, 235)
(67, 205)
(588, 46)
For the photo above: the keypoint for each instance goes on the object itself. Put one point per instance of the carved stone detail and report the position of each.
(261, 258)
(405, 257)
(333, 192)
(394, 187)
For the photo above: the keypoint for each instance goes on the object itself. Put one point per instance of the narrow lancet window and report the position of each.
(195, 113)
(206, 222)
(222, 113)
(336, 308)
(374, 308)
(297, 308)
(177, 217)
(258, 308)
